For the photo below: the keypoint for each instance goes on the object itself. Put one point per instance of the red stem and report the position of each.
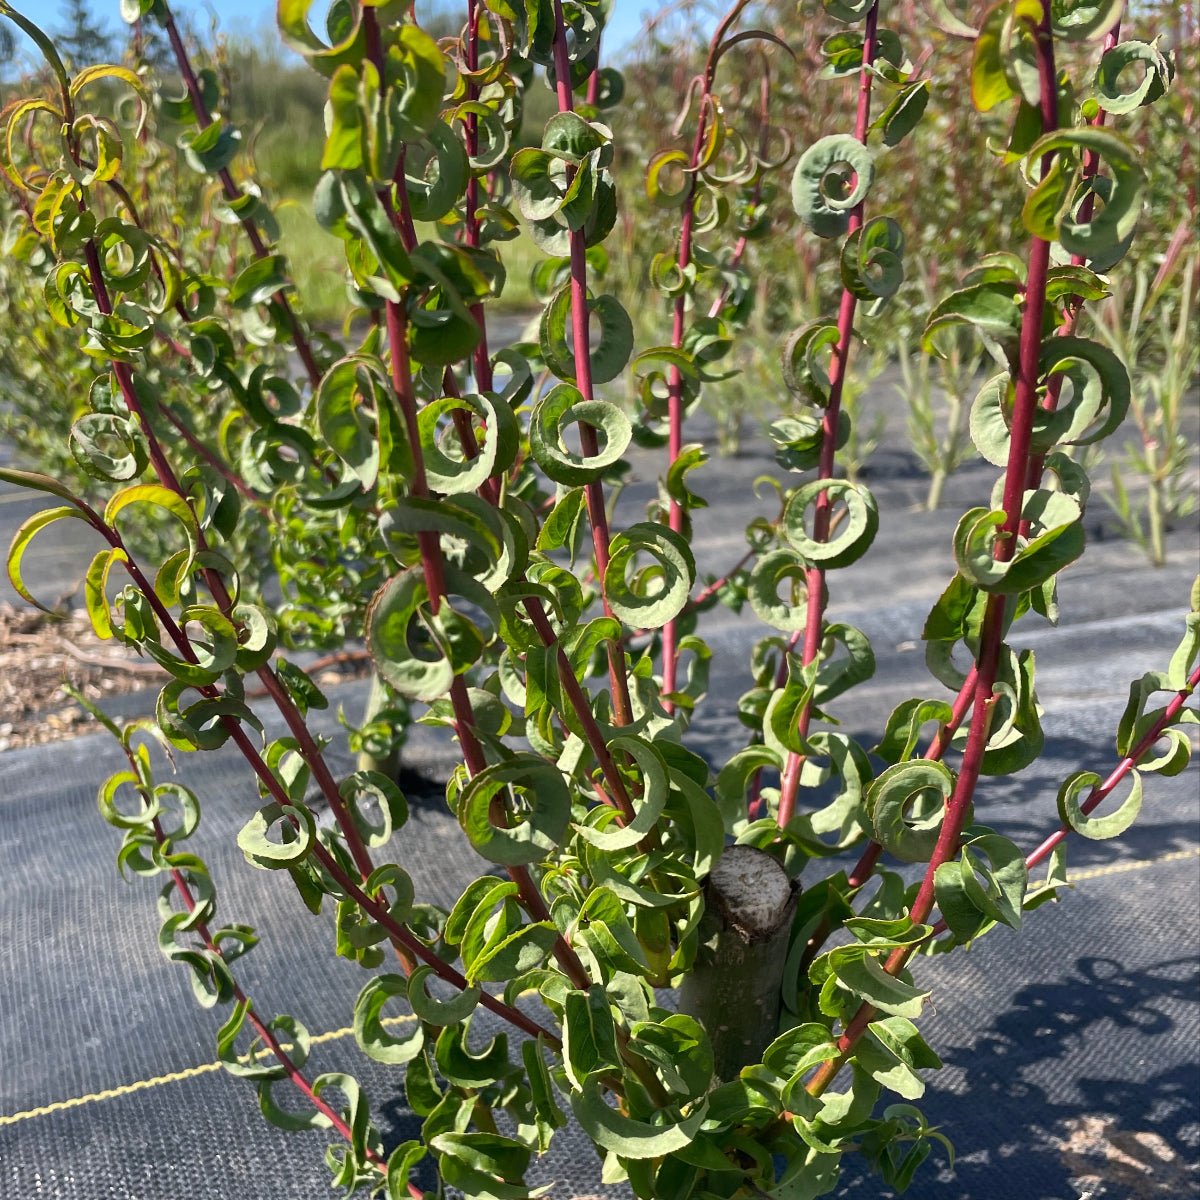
(764, 139)
(838, 367)
(962, 706)
(213, 460)
(594, 491)
(533, 606)
(216, 585)
(1102, 790)
(233, 192)
(545, 631)
(482, 360)
(593, 83)
(260, 1026)
(405, 940)
(582, 706)
(483, 375)
(965, 698)
(862, 870)
(431, 555)
(408, 945)
(1091, 165)
(992, 633)
(675, 515)
(717, 584)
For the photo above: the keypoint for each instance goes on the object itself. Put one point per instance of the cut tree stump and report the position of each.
(734, 987)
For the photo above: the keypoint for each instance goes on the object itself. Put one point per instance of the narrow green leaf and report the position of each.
(631, 1138)
(20, 543)
(589, 1036)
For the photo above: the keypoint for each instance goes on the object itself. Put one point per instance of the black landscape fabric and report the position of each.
(1071, 1048)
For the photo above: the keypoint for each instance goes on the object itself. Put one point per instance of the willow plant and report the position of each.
(1155, 330)
(467, 488)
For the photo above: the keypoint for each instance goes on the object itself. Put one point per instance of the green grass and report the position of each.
(316, 261)
(319, 268)
(279, 105)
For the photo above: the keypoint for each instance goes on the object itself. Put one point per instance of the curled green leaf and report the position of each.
(114, 813)
(648, 597)
(660, 193)
(447, 468)
(783, 566)
(1156, 76)
(259, 282)
(906, 804)
(852, 540)
(602, 831)
(904, 112)
(297, 836)
(1097, 401)
(348, 400)
(804, 370)
(435, 192)
(493, 135)
(608, 353)
(1056, 540)
(213, 641)
(1070, 807)
(562, 406)
(832, 177)
(848, 11)
(1112, 222)
(542, 814)
(439, 1012)
(995, 877)
(158, 497)
(108, 446)
(865, 976)
(416, 651)
(20, 543)
(370, 1026)
(483, 1164)
(255, 631)
(628, 1137)
(258, 1061)
(872, 260)
(991, 306)
(390, 807)
(1084, 20)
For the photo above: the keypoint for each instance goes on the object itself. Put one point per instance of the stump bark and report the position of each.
(734, 988)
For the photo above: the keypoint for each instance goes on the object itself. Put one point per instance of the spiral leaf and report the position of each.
(832, 177)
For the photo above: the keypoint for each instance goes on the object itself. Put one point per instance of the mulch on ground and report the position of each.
(41, 651)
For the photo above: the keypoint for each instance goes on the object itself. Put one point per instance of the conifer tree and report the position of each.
(83, 39)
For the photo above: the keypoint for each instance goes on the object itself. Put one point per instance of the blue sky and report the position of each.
(255, 16)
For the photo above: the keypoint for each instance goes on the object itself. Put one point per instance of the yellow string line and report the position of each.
(140, 1085)
(336, 1035)
(1136, 864)
(108, 1094)
(8, 497)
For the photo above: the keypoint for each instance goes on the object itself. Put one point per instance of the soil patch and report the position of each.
(40, 651)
